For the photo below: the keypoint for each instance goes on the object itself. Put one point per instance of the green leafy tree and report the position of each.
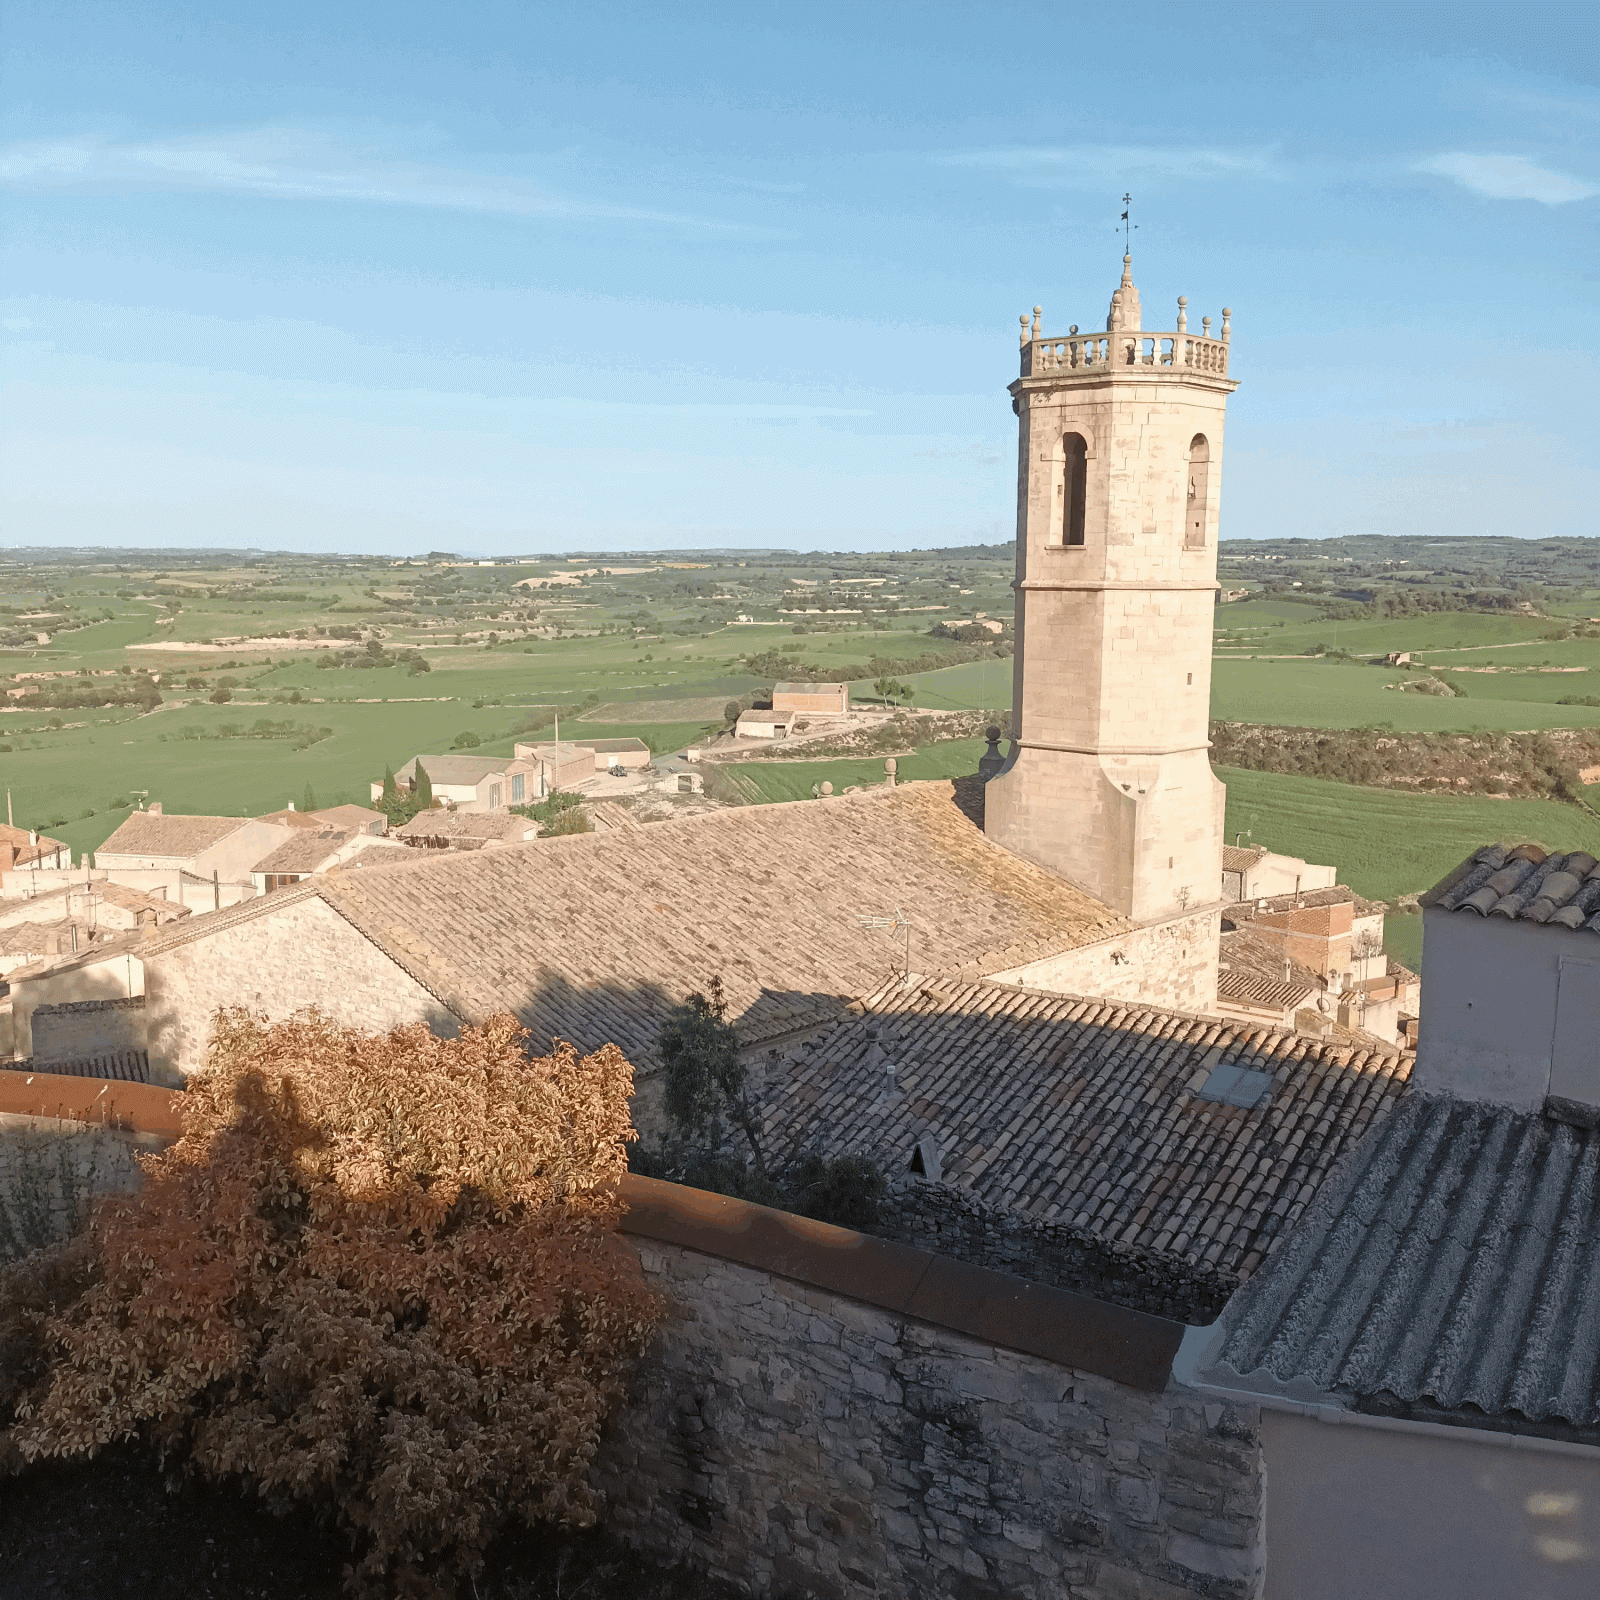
(706, 1084)
(422, 788)
(884, 687)
(308, 801)
(391, 790)
(731, 712)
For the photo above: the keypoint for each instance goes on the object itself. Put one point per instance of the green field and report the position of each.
(1332, 694)
(793, 780)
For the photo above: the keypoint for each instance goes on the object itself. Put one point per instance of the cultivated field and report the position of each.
(278, 673)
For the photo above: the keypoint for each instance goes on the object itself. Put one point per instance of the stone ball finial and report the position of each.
(1023, 319)
(827, 789)
(891, 767)
(1038, 312)
(1183, 313)
(1073, 328)
(1205, 324)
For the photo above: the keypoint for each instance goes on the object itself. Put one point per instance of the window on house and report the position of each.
(518, 788)
(1072, 488)
(1194, 531)
(494, 796)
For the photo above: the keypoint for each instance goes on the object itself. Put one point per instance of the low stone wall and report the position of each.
(49, 1172)
(800, 1441)
(950, 1222)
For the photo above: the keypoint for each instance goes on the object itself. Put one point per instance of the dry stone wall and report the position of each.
(799, 1443)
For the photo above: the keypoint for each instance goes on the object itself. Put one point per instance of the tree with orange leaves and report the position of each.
(379, 1276)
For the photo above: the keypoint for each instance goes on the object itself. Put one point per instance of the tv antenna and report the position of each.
(900, 922)
(1128, 228)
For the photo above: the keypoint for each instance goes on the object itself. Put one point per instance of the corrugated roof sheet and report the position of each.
(1526, 885)
(1451, 1265)
(1086, 1111)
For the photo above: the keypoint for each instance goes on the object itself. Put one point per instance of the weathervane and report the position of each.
(1128, 228)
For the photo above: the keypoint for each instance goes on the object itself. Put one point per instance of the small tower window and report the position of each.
(1074, 483)
(1194, 529)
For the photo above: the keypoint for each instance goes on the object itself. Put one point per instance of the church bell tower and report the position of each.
(1119, 478)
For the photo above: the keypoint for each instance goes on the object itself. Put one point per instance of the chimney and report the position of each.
(291, 805)
(154, 808)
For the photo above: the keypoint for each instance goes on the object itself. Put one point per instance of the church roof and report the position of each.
(592, 937)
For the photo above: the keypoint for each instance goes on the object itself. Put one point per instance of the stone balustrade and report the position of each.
(1086, 354)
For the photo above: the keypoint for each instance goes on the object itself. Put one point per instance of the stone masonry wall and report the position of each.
(50, 1170)
(306, 954)
(798, 1443)
(1171, 964)
(86, 1028)
(950, 1222)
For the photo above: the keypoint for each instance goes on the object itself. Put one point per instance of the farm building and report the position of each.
(613, 754)
(812, 699)
(764, 725)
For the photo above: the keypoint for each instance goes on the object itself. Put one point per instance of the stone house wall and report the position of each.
(798, 1442)
(1171, 963)
(50, 1169)
(298, 955)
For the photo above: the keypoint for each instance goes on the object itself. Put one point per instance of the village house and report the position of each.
(1258, 874)
(471, 783)
(353, 818)
(22, 849)
(554, 766)
(308, 851)
(1438, 1300)
(812, 699)
(200, 862)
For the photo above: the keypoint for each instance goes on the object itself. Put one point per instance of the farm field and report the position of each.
(1332, 694)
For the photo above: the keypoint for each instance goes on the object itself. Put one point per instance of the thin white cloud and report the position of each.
(294, 165)
(1095, 165)
(1508, 178)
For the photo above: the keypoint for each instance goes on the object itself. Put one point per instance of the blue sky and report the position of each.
(510, 278)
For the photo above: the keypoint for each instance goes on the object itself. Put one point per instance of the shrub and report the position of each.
(221, 697)
(467, 740)
(378, 1275)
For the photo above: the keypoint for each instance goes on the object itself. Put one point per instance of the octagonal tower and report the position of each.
(1108, 781)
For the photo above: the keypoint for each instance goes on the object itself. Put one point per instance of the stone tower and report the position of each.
(1108, 781)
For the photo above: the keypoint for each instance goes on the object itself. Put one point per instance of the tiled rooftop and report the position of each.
(1236, 859)
(154, 833)
(1526, 885)
(358, 819)
(454, 769)
(1254, 971)
(305, 851)
(1306, 899)
(1086, 1111)
(442, 824)
(1449, 1268)
(593, 936)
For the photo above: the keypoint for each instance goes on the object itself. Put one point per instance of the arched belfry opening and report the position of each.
(1194, 534)
(1074, 487)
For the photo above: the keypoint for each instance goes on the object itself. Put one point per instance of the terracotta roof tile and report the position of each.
(153, 833)
(1524, 884)
(1131, 1152)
